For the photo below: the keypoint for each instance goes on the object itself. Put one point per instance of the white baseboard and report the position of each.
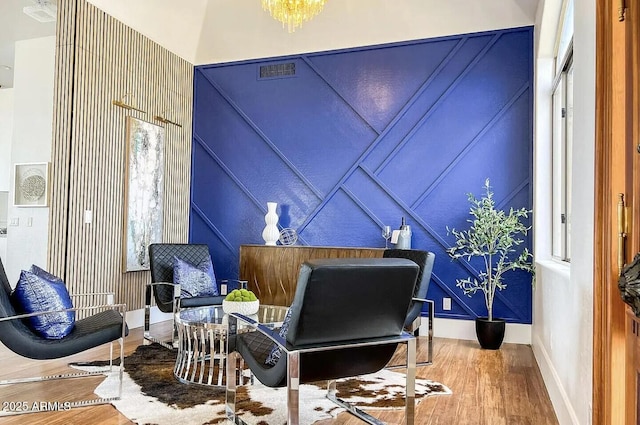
(515, 333)
(135, 318)
(559, 398)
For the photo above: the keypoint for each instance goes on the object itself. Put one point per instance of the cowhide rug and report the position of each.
(152, 395)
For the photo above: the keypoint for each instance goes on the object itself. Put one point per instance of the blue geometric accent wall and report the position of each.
(359, 138)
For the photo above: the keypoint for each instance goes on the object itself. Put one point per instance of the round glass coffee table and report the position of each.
(202, 341)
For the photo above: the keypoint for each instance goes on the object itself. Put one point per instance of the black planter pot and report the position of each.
(490, 333)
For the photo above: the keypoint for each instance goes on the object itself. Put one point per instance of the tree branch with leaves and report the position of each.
(495, 236)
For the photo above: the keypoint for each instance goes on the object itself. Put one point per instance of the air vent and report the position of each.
(278, 70)
(43, 11)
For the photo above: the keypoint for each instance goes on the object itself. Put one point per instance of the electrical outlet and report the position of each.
(88, 216)
(446, 304)
(14, 222)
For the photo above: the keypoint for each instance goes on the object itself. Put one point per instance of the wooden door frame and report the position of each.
(616, 89)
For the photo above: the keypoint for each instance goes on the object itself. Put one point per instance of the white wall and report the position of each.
(6, 134)
(563, 300)
(32, 132)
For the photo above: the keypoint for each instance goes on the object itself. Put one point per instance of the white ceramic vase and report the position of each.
(270, 234)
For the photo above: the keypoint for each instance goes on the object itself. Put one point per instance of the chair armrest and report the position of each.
(263, 329)
(110, 296)
(122, 308)
(176, 287)
(284, 345)
(161, 283)
(423, 300)
(432, 304)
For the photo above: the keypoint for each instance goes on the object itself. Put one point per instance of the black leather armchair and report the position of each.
(347, 318)
(424, 260)
(106, 325)
(165, 292)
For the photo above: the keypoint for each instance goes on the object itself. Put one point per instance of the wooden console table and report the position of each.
(272, 271)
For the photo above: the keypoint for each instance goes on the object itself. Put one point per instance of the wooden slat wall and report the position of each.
(98, 60)
(62, 116)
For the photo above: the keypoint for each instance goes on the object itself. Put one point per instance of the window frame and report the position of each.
(562, 147)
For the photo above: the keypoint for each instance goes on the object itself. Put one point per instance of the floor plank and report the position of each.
(502, 387)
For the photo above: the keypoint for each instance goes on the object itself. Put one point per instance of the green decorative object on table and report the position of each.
(240, 295)
(241, 301)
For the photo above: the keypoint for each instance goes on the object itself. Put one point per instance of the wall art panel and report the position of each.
(144, 192)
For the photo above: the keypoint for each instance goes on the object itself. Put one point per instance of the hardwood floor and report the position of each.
(501, 387)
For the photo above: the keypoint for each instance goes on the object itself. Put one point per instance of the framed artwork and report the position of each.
(31, 184)
(144, 192)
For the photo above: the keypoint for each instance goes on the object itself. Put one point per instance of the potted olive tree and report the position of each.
(494, 236)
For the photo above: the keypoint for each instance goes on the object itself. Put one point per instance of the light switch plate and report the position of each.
(446, 303)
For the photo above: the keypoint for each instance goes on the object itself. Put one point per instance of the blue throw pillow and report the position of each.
(45, 274)
(276, 351)
(34, 294)
(195, 281)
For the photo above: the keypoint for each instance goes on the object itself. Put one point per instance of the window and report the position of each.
(562, 136)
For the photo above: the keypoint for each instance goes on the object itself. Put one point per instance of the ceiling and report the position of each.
(214, 31)
(16, 26)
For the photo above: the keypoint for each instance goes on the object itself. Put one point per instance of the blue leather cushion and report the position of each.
(195, 280)
(35, 293)
(276, 351)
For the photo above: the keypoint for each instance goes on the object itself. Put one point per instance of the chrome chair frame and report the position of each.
(147, 337)
(415, 329)
(426, 266)
(293, 372)
(432, 310)
(122, 309)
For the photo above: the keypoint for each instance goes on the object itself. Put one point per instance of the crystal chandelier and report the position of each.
(293, 12)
